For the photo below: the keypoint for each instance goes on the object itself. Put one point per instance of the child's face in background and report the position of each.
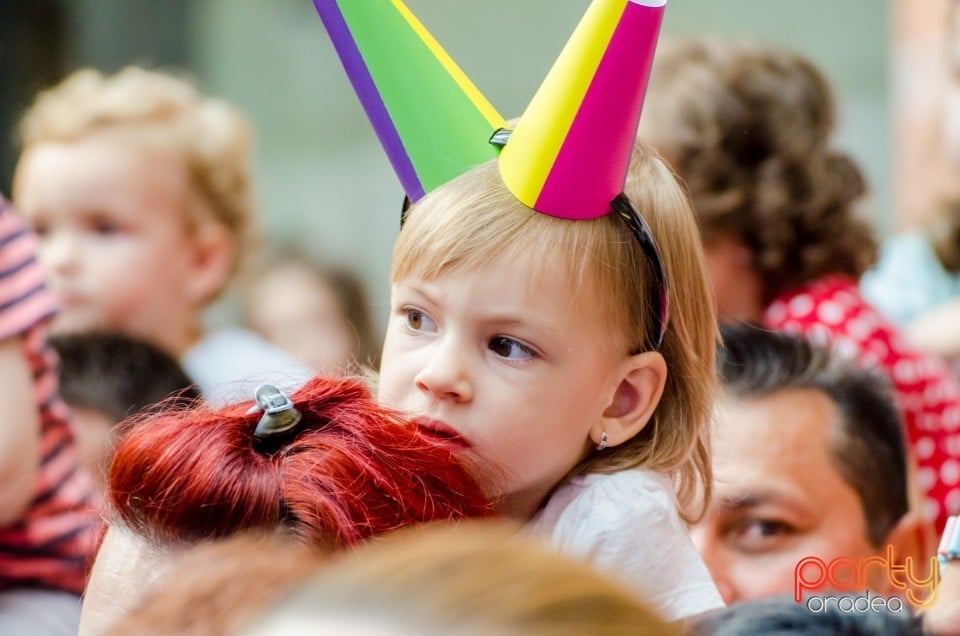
(310, 323)
(514, 357)
(112, 220)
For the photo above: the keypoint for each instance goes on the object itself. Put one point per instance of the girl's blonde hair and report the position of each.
(210, 137)
(474, 219)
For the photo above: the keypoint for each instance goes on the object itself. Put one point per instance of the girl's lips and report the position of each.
(441, 429)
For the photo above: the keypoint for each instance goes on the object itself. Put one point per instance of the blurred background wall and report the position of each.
(322, 180)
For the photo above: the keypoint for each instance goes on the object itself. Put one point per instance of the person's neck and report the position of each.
(180, 340)
(521, 506)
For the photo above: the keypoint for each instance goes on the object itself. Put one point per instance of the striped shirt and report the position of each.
(50, 545)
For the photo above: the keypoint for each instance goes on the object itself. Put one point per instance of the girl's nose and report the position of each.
(446, 376)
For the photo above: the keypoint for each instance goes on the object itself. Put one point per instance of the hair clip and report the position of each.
(279, 414)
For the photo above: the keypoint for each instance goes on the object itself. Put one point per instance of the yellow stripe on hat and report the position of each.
(528, 157)
(470, 90)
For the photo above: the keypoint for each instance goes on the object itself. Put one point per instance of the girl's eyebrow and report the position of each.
(503, 319)
(417, 290)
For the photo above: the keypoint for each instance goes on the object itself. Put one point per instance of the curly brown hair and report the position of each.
(748, 128)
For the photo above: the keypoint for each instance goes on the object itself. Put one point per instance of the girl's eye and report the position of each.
(40, 228)
(419, 321)
(509, 348)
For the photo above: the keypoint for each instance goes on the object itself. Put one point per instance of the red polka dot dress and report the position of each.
(832, 310)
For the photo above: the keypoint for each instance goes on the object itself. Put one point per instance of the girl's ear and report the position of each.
(635, 397)
(210, 263)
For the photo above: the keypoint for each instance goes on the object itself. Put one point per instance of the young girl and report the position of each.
(574, 357)
(140, 189)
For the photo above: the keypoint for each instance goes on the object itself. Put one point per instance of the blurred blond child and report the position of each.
(140, 190)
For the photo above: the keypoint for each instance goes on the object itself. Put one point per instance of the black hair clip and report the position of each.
(279, 414)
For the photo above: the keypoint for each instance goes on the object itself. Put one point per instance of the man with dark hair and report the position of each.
(810, 477)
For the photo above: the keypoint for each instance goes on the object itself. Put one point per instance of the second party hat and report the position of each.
(569, 153)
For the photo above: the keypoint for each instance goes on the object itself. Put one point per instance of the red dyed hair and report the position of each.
(350, 470)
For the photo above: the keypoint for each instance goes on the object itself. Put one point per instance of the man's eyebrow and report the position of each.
(747, 500)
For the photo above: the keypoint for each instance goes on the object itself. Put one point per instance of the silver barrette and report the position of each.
(279, 414)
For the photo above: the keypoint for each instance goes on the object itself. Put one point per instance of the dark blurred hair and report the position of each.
(349, 470)
(748, 128)
(869, 448)
(117, 374)
(781, 616)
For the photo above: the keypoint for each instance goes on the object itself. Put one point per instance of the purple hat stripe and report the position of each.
(369, 96)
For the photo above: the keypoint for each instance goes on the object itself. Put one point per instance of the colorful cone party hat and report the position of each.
(432, 121)
(569, 153)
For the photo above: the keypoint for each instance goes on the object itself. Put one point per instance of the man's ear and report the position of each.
(914, 545)
(210, 263)
(638, 386)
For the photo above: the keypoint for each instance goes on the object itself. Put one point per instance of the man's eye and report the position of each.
(757, 535)
(509, 348)
(765, 528)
